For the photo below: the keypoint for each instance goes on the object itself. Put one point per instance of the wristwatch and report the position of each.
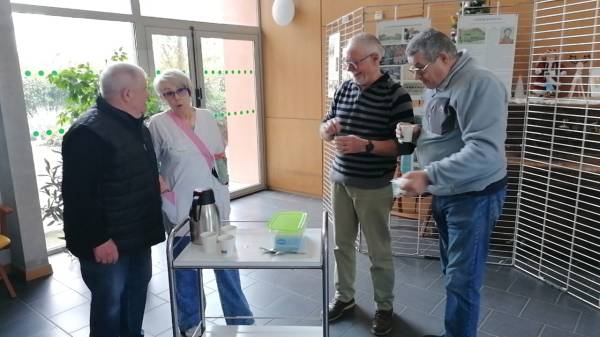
(369, 147)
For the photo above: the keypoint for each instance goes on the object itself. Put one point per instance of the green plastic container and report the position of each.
(288, 229)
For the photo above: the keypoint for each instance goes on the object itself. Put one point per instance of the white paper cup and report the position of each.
(407, 132)
(229, 229)
(209, 242)
(398, 186)
(226, 244)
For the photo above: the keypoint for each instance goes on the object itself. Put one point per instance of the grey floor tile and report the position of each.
(504, 325)
(554, 332)
(63, 301)
(42, 288)
(503, 301)
(484, 334)
(29, 325)
(342, 325)
(422, 277)
(83, 332)
(414, 323)
(159, 283)
(261, 296)
(416, 298)
(56, 332)
(158, 319)
(556, 316)
(527, 286)
(293, 305)
(73, 319)
(15, 310)
(589, 323)
(500, 278)
(153, 301)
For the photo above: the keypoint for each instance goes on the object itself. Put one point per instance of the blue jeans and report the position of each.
(118, 294)
(465, 223)
(233, 300)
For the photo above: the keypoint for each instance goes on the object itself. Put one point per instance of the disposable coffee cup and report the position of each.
(407, 132)
(398, 186)
(229, 229)
(226, 244)
(209, 242)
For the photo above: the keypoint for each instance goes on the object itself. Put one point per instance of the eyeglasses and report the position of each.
(419, 70)
(351, 64)
(179, 92)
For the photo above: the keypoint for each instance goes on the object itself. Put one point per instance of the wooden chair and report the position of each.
(5, 244)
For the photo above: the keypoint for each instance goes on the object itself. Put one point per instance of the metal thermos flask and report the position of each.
(204, 215)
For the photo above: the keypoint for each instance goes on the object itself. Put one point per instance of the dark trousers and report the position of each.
(118, 294)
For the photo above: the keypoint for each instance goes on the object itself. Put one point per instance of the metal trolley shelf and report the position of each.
(249, 239)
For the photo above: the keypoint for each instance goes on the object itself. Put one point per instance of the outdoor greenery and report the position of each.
(80, 84)
(41, 95)
(52, 211)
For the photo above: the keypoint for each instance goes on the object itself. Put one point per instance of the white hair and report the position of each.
(175, 77)
(119, 76)
(367, 40)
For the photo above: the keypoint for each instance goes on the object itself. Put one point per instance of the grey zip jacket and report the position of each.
(461, 145)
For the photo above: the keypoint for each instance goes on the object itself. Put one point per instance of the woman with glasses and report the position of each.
(187, 142)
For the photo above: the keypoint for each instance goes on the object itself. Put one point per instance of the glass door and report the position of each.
(223, 69)
(228, 74)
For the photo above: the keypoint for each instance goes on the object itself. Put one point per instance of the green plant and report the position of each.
(52, 211)
(80, 83)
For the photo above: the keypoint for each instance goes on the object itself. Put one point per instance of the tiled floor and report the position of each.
(514, 304)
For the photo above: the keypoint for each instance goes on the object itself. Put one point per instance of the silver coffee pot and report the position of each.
(204, 215)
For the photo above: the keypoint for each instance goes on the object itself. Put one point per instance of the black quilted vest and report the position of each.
(129, 192)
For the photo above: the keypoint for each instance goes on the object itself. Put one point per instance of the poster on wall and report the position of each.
(490, 39)
(333, 64)
(394, 36)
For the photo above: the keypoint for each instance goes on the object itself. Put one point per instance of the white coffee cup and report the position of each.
(209, 242)
(398, 186)
(226, 244)
(229, 229)
(407, 132)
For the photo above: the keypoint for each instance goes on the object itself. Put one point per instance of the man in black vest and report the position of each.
(112, 201)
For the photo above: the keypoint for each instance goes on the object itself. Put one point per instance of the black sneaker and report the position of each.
(337, 308)
(382, 322)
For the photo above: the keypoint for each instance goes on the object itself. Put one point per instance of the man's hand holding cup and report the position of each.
(407, 133)
(331, 128)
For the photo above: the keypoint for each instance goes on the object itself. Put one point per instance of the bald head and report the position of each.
(119, 76)
(123, 85)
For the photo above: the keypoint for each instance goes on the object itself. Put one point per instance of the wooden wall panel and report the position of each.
(294, 159)
(292, 62)
(292, 77)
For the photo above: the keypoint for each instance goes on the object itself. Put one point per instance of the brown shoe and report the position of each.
(382, 322)
(337, 308)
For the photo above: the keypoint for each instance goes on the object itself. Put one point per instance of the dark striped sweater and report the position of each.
(372, 114)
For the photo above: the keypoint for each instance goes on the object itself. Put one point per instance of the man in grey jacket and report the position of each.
(461, 147)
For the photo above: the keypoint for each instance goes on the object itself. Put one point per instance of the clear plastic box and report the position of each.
(288, 230)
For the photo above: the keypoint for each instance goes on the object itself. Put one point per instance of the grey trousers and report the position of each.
(371, 208)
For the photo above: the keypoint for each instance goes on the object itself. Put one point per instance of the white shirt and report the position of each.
(182, 165)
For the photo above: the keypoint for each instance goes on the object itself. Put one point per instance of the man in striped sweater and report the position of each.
(361, 123)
